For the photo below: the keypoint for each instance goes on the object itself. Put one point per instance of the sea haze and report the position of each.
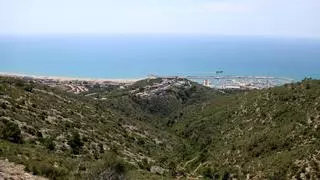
(137, 56)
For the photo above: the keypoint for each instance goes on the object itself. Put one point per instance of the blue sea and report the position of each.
(134, 56)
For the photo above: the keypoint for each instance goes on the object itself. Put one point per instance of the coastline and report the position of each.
(65, 78)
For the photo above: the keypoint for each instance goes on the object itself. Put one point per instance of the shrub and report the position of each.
(208, 173)
(109, 167)
(144, 164)
(28, 88)
(3, 105)
(101, 150)
(46, 169)
(19, 82)
(49, 143)
(76, 143)
(172, 168)
(10, 131)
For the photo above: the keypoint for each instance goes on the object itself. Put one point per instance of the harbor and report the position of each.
(234, 82)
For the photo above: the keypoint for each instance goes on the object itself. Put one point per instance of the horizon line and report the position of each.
(17, 35)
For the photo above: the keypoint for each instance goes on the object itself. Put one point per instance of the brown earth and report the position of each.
(9, 170)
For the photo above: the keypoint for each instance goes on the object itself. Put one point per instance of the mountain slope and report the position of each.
(162, 128)
(76, 131)
(267, 134)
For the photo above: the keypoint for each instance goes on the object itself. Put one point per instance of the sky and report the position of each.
(279, 18)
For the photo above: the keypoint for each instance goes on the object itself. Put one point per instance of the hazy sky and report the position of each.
(293, 18)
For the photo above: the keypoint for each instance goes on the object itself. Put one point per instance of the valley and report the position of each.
(160, 128)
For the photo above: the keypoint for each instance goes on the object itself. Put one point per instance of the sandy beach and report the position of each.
(64, 78)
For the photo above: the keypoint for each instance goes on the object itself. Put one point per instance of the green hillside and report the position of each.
(65, 136)
(162, 128)
(265, 134)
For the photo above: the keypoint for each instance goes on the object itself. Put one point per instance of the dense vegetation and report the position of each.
(62, 135)
(180, 131)
(265, 134)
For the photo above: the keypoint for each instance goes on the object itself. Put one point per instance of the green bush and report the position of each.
(208, 173)
(144, 164)
(28, 88)
(76, 143)
(48, 143)
(10, 131)
(46, 169)
(109, 167)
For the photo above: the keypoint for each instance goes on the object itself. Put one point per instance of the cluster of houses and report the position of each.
(244, 82)
(161, 87)
(73, 85)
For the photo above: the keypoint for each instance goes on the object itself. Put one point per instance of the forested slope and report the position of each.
(263, 134)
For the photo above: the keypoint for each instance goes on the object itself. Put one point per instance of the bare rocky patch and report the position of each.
(9, 170)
